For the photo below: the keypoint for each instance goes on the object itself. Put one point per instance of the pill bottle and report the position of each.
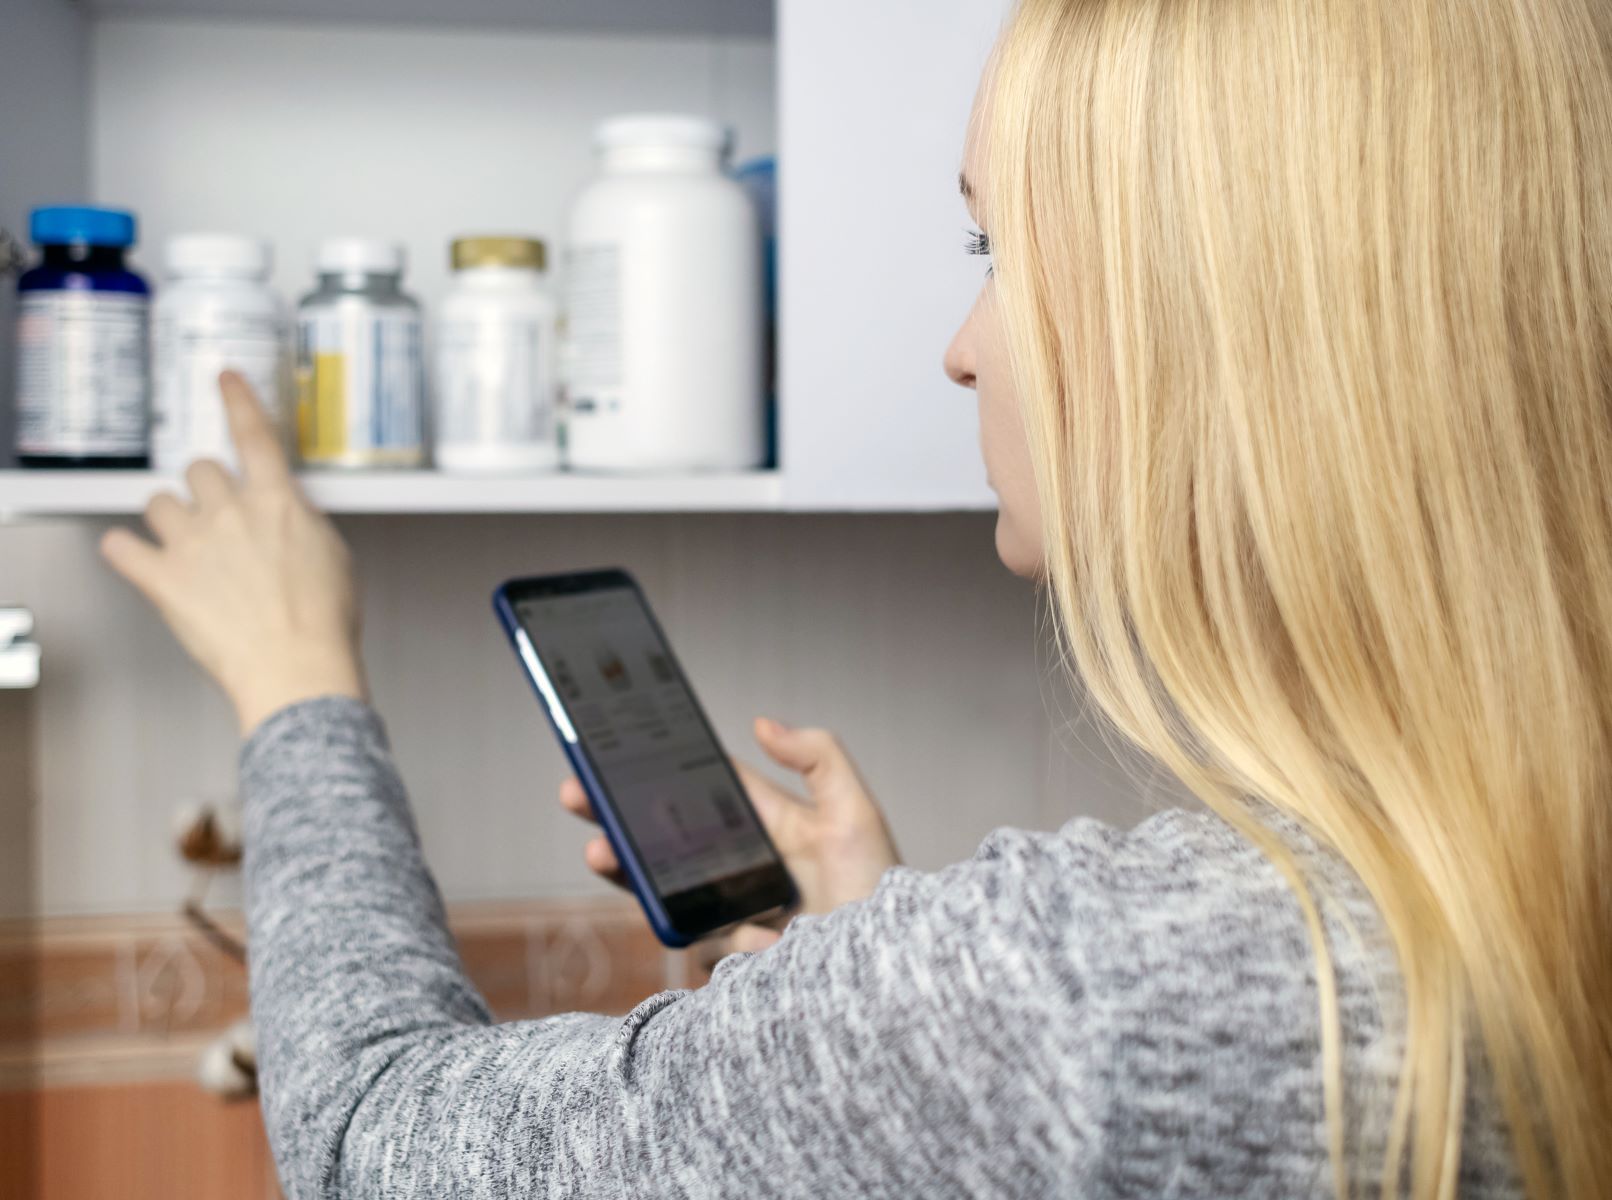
(360, 390)
(496, 360)
(215, 310)
(83, 391)
(662, 306)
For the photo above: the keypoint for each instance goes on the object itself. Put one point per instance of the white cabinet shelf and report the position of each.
(88, 493)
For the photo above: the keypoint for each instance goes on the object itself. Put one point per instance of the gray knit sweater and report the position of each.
(1089, 1013)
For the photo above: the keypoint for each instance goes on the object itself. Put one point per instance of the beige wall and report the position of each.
(902, 632)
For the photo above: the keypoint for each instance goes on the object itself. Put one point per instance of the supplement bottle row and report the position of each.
(360, 400)
(662, 361)
(84, 331)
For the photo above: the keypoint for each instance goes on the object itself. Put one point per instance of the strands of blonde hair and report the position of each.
(1309, 304)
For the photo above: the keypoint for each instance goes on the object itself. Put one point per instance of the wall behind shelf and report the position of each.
(300, 130)
(44, 50)
(902, 632)
(44, 58)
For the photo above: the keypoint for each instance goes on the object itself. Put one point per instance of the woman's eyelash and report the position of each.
(975, 242)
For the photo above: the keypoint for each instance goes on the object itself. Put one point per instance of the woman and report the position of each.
(1293, 379)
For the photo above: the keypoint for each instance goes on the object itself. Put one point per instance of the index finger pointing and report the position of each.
(257, 445)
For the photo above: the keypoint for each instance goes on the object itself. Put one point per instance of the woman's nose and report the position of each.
(959, 360)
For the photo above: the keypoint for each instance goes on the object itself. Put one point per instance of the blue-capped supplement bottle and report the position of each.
(83, 382)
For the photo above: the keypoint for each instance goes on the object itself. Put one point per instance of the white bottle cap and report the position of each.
(661, 129)
(218, 254)
(359, 256)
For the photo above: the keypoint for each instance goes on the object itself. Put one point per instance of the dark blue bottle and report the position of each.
(83, 344)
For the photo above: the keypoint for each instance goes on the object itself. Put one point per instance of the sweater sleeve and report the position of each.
(913, 1044)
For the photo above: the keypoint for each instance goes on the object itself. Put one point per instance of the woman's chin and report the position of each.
(1019, 554)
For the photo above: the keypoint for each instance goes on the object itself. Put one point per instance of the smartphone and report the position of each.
(688, 840)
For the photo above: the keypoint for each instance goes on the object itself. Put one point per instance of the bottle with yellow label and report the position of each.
(360, 388)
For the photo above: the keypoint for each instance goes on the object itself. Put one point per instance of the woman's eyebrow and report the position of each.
(964, 186)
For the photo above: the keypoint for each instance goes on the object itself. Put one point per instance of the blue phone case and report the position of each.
(549, 700)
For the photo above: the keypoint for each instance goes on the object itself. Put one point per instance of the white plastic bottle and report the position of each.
(663, 305)
(496, 361)
(214, 311)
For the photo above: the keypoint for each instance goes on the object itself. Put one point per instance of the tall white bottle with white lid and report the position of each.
(663, 306)
(214, 311)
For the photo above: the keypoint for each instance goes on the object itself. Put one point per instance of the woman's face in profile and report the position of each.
(977, 359)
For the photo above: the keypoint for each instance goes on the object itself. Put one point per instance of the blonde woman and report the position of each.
(1294, 376)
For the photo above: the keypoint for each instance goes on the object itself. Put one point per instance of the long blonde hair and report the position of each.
(1309, 304)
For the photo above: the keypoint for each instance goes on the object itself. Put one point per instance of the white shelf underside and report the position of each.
(88, 493)
(676, 18)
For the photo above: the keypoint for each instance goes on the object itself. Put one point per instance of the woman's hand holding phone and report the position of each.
(835, 842)
(253, 580)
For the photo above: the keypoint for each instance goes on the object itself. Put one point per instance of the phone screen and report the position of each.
(673, 790)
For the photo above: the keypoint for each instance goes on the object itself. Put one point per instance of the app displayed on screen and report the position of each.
(637, 720)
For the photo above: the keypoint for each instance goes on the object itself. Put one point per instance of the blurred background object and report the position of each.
(19, 654)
